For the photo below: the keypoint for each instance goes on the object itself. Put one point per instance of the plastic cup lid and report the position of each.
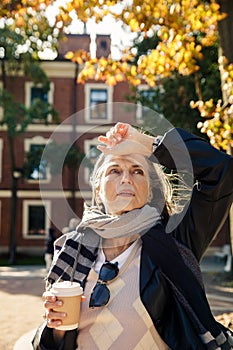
(66, 288)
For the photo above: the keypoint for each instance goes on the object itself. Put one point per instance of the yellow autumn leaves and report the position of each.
(182, 27)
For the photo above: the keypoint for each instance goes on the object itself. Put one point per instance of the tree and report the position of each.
(179, 90)
(73, 157)
(183, 30)
(22, 39)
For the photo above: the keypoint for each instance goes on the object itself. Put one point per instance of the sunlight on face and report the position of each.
(124, 183)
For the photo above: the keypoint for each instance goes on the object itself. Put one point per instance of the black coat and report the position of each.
(205, 215)
(202, 220)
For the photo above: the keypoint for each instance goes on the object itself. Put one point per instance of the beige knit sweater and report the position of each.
(124, 323)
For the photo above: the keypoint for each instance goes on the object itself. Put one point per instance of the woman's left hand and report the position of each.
(124, 139)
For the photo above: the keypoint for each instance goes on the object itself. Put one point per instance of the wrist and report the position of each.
(148, 141)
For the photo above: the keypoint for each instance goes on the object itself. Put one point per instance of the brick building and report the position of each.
(85, 111)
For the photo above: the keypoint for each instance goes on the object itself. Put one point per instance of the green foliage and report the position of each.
(14, 114)
(17, 58)
(10, 41)
(33, 70)
(173, 101)
(55, 157)
(172, 95)
(143, 46)
(32, 160)
(41, 111)
(209, 75)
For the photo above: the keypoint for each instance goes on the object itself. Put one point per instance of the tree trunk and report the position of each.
(13, 242)
(13, 212)
(225, 29)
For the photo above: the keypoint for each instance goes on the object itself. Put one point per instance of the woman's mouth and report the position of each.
(126, 194)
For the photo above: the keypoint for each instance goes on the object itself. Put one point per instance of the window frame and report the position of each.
(139, 108)
(28, 88)
(87, 146)
(87, 92)
(36, 202)
(37, 140)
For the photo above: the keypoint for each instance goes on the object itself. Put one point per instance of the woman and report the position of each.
(155, 298)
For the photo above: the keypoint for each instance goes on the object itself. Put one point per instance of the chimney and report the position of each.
(103, 45)
(73, 42)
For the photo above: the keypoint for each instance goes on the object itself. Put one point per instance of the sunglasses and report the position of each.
(101, 294)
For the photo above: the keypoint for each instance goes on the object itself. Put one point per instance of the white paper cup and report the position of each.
(70, 293)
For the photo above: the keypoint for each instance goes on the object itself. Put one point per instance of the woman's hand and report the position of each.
(124, 139)
(54, 318)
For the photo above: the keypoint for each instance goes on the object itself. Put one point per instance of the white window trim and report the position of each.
(26, 204)
(1, 158)
(28, 87)
(87, 147)
(87, 90)
(37, 140)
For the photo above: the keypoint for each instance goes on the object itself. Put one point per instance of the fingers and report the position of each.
(52, 303)
(123, 135)
(115, 135)
(83, 298)
(53, 317)
(110, 139)
(122, 129)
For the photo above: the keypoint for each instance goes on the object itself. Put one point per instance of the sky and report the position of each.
(119, 36)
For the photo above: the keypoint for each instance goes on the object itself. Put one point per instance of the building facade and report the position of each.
(85, 111)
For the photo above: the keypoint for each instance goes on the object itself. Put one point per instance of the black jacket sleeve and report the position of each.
(43, 339)
(212, 193)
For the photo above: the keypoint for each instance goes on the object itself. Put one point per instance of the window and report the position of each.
(146, 97)
(98, 102)
(35, 218)
(103, 45)
(33, 93)
(38, 93)
(36, 168)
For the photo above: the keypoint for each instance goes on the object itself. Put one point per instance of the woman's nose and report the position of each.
(126, 178)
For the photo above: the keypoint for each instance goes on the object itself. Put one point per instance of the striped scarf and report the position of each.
(76, 252)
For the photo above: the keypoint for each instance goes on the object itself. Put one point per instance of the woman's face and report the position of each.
(124, 183)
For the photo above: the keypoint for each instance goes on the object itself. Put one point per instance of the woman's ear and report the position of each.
(150, 196)
(99, 201)
(97, 196)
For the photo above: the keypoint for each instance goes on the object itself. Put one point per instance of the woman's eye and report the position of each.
(138, 171)
(114, 171)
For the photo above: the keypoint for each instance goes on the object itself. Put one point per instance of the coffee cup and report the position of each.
(70, 293)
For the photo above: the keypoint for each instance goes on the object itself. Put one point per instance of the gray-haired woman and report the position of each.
(155, 299)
